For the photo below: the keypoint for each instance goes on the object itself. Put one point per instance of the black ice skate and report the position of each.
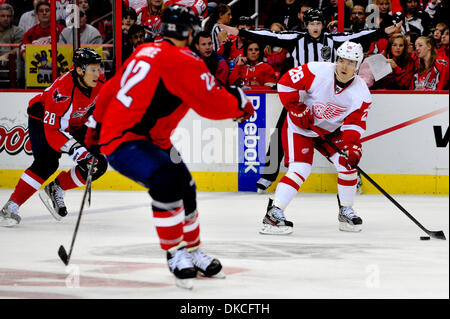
(274, 223)
(262, 185)
(348, 220)
(53, 198)
(181, 265)
(208, 266)
(9, 215)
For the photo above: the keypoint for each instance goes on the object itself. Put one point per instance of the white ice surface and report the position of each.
(117, 252)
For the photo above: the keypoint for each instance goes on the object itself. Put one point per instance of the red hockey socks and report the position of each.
(191, 230)
(28, 184)
(71, 179)
(169, 222)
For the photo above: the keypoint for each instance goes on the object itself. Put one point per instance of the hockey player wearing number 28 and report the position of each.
(137, 111)
(57, 124)
(324, 101)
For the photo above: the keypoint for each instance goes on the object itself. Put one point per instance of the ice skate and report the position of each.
(53, 198)
(262, 185)
(348, 220)
(180, 264)
(208, 266)
(9, 215)
(274, 223)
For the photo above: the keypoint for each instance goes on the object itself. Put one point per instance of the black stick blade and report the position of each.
(437, 234)
(63, 255)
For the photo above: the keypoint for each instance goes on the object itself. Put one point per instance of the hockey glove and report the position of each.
(243, 102)
(354, 153)
(81, 155)
(301, 116)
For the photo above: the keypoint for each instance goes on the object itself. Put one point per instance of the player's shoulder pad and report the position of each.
(321, 68)
(362, 90)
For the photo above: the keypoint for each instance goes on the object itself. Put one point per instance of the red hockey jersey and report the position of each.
(313, 84)
(261, 75)
(66, 108)
(153, 91)
(151, 20)
(435, 79)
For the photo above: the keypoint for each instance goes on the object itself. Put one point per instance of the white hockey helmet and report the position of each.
(351, 51)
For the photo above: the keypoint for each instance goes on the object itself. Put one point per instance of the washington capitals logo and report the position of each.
(59, 98)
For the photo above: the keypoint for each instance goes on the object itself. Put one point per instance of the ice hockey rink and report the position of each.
(117, 254)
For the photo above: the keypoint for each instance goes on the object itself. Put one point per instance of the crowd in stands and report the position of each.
(412, 35)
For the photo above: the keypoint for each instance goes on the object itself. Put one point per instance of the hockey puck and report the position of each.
(424, 238)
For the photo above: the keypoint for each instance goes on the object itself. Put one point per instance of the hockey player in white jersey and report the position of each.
(329, 100)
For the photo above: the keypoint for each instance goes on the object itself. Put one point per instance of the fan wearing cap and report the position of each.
(57, 124)
(323, 100)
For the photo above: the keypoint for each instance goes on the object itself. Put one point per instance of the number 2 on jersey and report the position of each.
(139, 71)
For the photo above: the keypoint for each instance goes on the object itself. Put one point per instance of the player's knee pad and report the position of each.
(168, 183)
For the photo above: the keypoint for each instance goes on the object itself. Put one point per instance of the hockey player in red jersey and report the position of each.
(137, 111)
(322, 99)
(56, 123)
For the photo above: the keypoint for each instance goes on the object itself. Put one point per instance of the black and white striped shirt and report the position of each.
(215, 37)
(304, 48)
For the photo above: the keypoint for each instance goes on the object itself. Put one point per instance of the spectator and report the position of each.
(215, 63)
(437, 34)
(304, 6)
(385, 18)
(129, 17)
(150, 17)
(86, 6)
(432, 70)
(29, 19)
(286, 13)
(331, 14)
(135, 37)
(403, 66)
(444, 42)
(411, 38)
(41, 33)
(88, 33)
(276, 56)
(358, 18)
(8, 33)
(251, 71)
(414, 19)
(221, 15)
(233, 47)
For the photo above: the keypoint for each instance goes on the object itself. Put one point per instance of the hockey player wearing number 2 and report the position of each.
(136, 113)
(56, 124)
(323, 100)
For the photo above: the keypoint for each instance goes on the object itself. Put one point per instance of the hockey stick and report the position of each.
(62, 251)
(434, 234)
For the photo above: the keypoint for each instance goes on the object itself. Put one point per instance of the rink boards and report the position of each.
(405, 146)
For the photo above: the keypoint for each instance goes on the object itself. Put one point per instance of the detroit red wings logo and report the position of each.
(328, 111)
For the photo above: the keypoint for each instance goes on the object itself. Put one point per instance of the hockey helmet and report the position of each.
(351, 51)
(178, 21)
(82, 57)
(313, 15)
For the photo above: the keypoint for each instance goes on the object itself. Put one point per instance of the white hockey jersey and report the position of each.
(314, 85)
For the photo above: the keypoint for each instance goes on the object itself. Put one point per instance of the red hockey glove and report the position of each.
(248, 112)
(301, 116)
(354, 153)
